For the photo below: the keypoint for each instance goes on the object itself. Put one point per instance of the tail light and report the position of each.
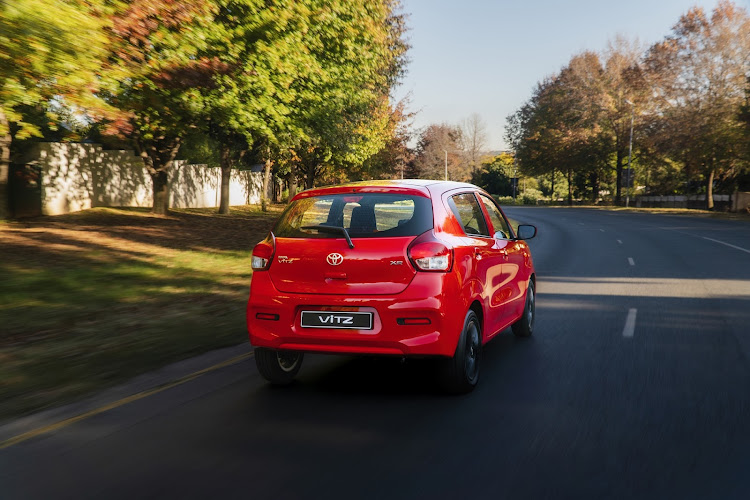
(429, 254)
(263, 253)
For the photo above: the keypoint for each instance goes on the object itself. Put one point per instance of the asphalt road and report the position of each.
(636, 384)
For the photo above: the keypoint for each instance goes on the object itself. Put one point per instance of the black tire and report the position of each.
(460, 373)
(524, 327)
(278, 367)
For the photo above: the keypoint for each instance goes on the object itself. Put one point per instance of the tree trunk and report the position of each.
(570, 187)
(618, 188)
(266, 180)
(158, 161)
(277, 190)
(5, 142)
(710, 190)
(553, 186)
(292, 184)
(160, 180)
(594, 179)
(310, 175)
(226, 177)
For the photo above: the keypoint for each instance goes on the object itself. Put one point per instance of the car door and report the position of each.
(512, 289)
(486, 257)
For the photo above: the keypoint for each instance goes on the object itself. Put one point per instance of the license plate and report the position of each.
(337, 319)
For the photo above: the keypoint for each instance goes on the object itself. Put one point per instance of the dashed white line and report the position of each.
(629, 329)
(619, 241)
(631, 261)
(602, 230)
(728, 244)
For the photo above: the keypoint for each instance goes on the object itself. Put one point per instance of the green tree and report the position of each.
(360, 50)
(263, 45)
(48, 49)
(495, 174)
(156, 68)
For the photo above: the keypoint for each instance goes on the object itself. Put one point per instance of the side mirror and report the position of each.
(526, 232)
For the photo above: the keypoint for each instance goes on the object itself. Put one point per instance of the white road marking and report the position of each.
(602, 230)
(580, 224)
(619, 241)
(727, 244)
(567, 287)
(629, 329)
(631, 261)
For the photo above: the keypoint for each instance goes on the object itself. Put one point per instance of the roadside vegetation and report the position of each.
(96, 297)
(681, 106)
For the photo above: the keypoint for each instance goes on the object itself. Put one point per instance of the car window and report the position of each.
(466, 209)
(496, 217)
(364, 215)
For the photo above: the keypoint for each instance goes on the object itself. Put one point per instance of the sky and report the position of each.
(486, 56)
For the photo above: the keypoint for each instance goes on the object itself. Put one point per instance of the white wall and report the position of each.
(80, 176)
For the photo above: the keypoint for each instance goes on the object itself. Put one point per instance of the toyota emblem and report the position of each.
(335, 259)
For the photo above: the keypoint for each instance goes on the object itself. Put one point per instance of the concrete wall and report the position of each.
(80, 176)
(740, 202)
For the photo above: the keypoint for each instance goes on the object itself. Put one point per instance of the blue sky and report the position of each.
(485, 56)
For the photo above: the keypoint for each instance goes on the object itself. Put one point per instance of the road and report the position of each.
(636, 384)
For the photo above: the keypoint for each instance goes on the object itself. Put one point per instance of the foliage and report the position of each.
(436, 143)
(360, 51)
(495, 174)
(698, 76)
(681, 99)
(156, 68)
(44, 56)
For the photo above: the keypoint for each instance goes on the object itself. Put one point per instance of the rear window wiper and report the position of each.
(332, 229)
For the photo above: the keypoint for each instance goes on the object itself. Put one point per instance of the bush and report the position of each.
(531, 197)
(528, 199)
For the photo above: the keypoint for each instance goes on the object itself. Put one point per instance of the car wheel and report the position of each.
(460, 373)
(525, 325)
(278, 367)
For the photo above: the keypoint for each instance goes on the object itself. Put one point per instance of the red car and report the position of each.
(409, 268)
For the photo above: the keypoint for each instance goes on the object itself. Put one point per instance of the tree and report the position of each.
(495, 174)
(394, 157)
(42, 57)
(262, 44)
(155, 68)
(436, 143)
(609, 95)
(698, 76)
(361, 53)
(473, 139)
(555, 132)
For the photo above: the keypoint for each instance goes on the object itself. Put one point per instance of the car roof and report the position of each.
(418, 187)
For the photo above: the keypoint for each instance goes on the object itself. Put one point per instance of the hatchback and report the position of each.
(407, 268)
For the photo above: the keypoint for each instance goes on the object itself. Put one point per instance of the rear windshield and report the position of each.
(364, 215)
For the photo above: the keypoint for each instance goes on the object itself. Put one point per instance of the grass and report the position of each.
(93, 298)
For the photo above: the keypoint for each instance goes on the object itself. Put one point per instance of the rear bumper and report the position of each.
(430, 296)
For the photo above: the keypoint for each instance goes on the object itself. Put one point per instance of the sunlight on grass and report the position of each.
(92, 298)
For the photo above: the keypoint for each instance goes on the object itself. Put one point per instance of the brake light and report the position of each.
(429, 254)
(263, 254)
